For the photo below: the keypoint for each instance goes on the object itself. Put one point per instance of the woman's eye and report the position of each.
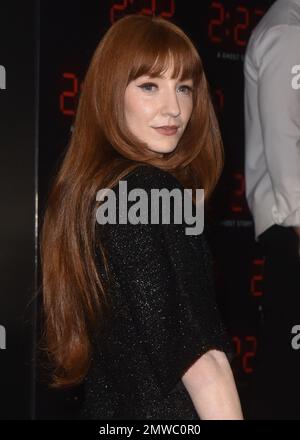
(187, 88)
(147, 85)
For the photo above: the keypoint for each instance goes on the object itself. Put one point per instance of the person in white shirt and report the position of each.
(272, 179)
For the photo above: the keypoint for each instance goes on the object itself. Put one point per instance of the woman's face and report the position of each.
(156, 102)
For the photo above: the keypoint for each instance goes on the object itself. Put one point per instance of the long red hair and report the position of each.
(100, 152)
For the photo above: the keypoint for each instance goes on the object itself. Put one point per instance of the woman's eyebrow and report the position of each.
(159, 76)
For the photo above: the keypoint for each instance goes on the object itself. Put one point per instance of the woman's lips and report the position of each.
(167, 131)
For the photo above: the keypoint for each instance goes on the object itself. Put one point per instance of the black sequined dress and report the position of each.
(164, 315)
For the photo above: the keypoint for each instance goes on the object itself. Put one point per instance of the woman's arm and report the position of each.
(211, 386)
(297, 230)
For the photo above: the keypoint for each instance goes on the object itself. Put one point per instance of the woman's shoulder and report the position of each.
(148, 177)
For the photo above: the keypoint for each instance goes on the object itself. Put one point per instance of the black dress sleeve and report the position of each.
(166, 276)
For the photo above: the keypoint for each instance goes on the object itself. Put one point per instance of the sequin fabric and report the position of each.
(164, 315)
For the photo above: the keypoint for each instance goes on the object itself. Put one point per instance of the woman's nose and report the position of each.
(171, 104)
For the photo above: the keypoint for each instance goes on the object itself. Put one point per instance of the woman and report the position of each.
(129, 308)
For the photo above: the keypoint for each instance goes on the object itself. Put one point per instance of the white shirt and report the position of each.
(272, 118)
